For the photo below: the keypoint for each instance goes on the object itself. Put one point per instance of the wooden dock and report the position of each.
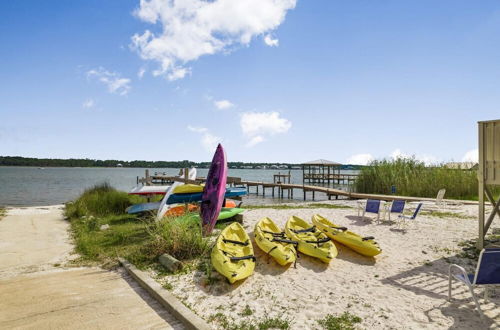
(278, 189)
(332, 192)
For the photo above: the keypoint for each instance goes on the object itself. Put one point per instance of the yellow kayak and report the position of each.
(188, 189)
(311, 241)
(272, 240)
(232, 255)
(363, 245)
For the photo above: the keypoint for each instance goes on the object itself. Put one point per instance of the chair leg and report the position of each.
(486, 293)
(476, 301)
(449, 285)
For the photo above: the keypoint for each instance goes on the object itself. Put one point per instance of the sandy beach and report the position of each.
(405, 287)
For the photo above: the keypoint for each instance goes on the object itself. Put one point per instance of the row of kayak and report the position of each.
(233, 256)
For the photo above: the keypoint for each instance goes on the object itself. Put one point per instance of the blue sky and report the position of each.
(274, 80)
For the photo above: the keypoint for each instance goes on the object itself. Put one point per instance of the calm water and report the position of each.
(26, 186)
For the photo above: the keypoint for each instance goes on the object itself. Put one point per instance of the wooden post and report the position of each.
(147, 177)
(313, 194)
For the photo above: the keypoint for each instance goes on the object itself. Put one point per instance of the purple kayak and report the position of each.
(213, 193)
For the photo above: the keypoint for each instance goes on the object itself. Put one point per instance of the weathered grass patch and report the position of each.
(443, 215)
(301, 206)
(140, 240)
(346, 321)
(264, 323)
(2, 212)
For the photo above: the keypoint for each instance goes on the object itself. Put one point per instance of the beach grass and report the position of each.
(299, 206)
(2, 212)
(140, 240)
(345, 321)
(100, 200)
(264, 323)
(411, 177)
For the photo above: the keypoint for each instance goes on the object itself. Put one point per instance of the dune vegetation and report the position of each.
(411, 177)
(103, 231)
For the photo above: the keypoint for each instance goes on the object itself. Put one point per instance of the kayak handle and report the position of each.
(340, 228)
(289, 241)
(243, 258)
(235, 242)
(307, 230)
(324, 240)
(368, 238)
(273, 233)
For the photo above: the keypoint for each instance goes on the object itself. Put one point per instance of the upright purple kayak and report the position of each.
(215, 188)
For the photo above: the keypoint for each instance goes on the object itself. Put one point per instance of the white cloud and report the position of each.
(360, 159)
(197, 129)
(115, 83)
(471, 156)
(270, 41)
(223, 104)
(141, 73)
(208, 140)
(193, 28)
(425, 158)
(256, 125)
(89, 103)
(255, 140)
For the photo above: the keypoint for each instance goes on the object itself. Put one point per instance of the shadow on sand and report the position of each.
(431, 280)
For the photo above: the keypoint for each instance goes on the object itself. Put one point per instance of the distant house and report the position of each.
(119, 165)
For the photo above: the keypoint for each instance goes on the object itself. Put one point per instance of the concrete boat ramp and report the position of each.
(36, 293)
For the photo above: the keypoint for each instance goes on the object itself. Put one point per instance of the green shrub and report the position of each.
(100, 200)
(412, 178)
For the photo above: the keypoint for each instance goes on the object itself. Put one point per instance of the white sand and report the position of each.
(405, 287)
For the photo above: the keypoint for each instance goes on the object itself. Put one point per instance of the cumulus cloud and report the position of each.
(223, 104)
(256, 125)
(141, 73)
(89, 103)
(115, 83)
(471, 156)
(255, 140)
(360, 159)
(208, 140)
(270, 41)
(427, 159)
(193, 28)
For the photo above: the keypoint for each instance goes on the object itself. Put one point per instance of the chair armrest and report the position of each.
(461, 270)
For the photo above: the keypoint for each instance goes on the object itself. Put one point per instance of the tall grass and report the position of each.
(100, 200)
(141, 241)
(412, 178)
(180, 237)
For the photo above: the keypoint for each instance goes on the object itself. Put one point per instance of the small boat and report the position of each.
(149, 190)
(188, 189)
(232, 255)
(366, 246)
(272, 240)
(311, 241)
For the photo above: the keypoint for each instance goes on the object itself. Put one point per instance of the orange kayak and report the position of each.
(181, 209)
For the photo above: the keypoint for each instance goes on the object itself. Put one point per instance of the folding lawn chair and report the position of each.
(397, 206)
(487, 273)
(371, 206)
(405, 218)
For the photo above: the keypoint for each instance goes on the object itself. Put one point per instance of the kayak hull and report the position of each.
(368, 247)
(214, 190)
(324, 251)
(223, 251)
(266, 232)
